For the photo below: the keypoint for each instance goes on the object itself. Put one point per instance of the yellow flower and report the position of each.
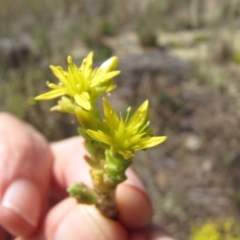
(124, 136)
(208, 231)
(83, 85)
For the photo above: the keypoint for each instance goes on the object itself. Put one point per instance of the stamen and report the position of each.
(127, 117)
(84, 61)
(69, 60)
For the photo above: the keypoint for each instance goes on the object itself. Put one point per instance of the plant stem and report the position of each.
(105, 181)
(106, 204)
(107, 171)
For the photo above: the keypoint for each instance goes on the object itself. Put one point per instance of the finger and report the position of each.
(25, 162)
(3, 234)
(135, 209)
(69, 220)
(69, 167)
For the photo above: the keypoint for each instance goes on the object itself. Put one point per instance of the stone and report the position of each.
(16, 52)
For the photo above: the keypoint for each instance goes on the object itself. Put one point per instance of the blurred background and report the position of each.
(182, 55)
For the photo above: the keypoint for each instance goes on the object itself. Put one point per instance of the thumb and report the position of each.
(69, 220)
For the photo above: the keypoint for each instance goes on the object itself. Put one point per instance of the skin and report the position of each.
(34, 205)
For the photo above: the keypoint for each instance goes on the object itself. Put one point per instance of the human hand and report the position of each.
(34, 176)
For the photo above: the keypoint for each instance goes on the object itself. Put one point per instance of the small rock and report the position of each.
(193, 142)
(207, 165)
(162, 180)
(15, 52)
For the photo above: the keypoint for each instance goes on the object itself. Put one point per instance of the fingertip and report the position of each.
(90, 225)
(20, 207)
(14, 223)
(134, 206)
(81, 222)
(3, 234)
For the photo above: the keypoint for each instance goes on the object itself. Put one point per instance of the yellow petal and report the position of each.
(89, 59)
(59, 73)
(103, 78)
(109, 65)
(87, 120)
(87, 65)
(100, 136)
(150, 142)
(126, 154)
(52, 94)
(83, 100)
(54, 86)
(133, 140)
(74, 77)
(110, 115)
(139, 117)
(111, 87)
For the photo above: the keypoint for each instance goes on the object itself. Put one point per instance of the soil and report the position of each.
(194, 175)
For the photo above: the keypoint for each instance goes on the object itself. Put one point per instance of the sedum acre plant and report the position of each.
(223, 229)
(112, 140)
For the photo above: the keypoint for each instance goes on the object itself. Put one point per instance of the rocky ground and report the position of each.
(195, 172)
(194, 176)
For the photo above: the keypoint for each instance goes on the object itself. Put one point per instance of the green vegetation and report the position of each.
(216, 230)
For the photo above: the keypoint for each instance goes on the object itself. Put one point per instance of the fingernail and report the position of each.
(23, 198)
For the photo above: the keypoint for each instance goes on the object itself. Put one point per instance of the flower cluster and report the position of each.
(125, 136)
(81, 87)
